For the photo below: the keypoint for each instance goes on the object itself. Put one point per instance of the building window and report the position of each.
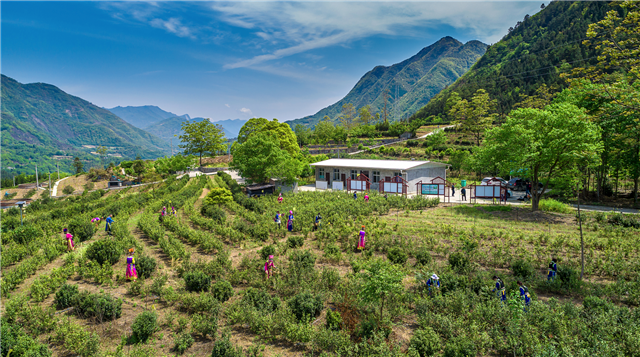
(354, 174)
(321, 173)
(336, 174)
(395, 174)
(376, 176)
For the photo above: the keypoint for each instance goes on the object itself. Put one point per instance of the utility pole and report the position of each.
(37, 183)
(58, 166)
(581, 238)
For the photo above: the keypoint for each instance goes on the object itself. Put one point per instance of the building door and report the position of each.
(344, 179)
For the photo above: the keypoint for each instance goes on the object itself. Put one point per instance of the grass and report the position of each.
(551, 205)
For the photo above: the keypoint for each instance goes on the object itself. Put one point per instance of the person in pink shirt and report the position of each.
(366, 198)
(280, 199)
(69, 237)
(362, 240)
(268, 267)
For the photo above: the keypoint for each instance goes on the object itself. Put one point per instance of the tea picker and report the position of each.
(553, 270)
(268, 267)
(132, 273)
(316, 224)
(278, 219)
(96, 220)
(500, 289)
(434, 281)
(69, 238)
(524, 295)
(355, 195)
(366, 197)
(280, 199)
(107, 227)
(362, 240)
(290, 221)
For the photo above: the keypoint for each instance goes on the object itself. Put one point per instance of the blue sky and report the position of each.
(227, 60)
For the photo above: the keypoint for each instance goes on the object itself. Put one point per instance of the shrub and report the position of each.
(67, 190)
(145, 324)
(218, 196)
(66, 296)
(330, 277)
(334, 320)
(569, 278)
(426, 342)
(104, 251)
(204, 324)
(624, 220)
(222, 290)
(82, 230)
(523, 269)
(214, 212)
(305, 305)
(267, 251)
(183, 342)
(549, 205)
(594, 304)
(224, 348)
(26, 234)
(459, 262)
(197, 281)
(295, 241)
(145, 266)
(397, 256)
(423, 257)
(459, 346)
(259, 233)
(98, 305)
(332, 251)
(261, 300)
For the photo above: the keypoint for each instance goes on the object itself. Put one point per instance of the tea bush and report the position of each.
(569, 278)
(197, 281)
(397, 256)
(522, 269)
(267, 251)
(145, 266)
(222, 290)
(67, 190)
(182, 343)
(214, 212)
(16, 342)
(306, 305)
(334, 320)
(624, 220)
(295, 241)
(224, 348)
(26, 234)
(459, 262)
(82, 230)
(145, 325)
(104, 251)
(260, 300)
(460, 346)
(550, 205)
(423, 257)
(204, 324)
(218, 196)
(102, 306)
(66, 296)
(426, 342)
(330, 278)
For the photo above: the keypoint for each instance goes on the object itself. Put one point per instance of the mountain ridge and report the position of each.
(418, 78)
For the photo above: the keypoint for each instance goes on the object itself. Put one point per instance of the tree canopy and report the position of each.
(202, 137)
(286, 137)
(260, 158)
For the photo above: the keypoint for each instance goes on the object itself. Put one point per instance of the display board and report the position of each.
(337, 185)
(358, 185)
(488, 191)
(431, 189)
(393, 187)
(321, 185)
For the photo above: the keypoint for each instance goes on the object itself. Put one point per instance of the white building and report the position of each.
(334, 173)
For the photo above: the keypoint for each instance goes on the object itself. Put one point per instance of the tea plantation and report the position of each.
(202, 289)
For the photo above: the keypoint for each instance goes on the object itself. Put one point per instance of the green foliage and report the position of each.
(423, 256)
(265, 252)
(569, 278)
(202, 137)
(182, 343)
(222, 290)
(459, 262)
(145, 325)
(282, 131)
(459, 347)
(26, 234)
(16, 342)
(397, 255)
(295, 241)
(218, 196)
(550, 205)
(624, 220)
(522, 269)
(81, 229)
(425, 342)
(334, 320)
(260, 300)
(305, 306)
(66, 296)
(67, 190)
(214, 212)
(379, 281)
(105, 251)
(101, 306)
(205, 324)
(145, 266)
(197, 281)
(261, 157)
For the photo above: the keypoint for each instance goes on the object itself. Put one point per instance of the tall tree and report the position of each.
(78, 165)
(303, 134)
(138, 168)
(323, 131)
(102, 152)
(286, 136)
(547, 143)
(381, 280)
(260, 158)
(474, 117)
(365, 117)
(202, 137)
(348, 115)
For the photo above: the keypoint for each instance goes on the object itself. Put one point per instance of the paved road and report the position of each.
(419, 137)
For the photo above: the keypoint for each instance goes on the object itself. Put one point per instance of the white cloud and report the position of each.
(246, 111)
(297, 27)
(174, 26)
(227, 105)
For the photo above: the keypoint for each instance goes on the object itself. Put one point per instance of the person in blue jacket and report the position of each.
(553, 270)
(500, 289)
(524, 295)
(434, 281)
(355, 195)
(107, 227)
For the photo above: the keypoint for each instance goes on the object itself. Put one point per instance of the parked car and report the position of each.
(487, 179)
(520, 184)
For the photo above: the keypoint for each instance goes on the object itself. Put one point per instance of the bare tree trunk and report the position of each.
(581, 237)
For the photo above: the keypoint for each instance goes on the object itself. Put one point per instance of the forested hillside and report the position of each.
(143, 116)
(417, 79)
(39, 120)
(535, 52)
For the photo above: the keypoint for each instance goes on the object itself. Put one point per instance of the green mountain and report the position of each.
(39, 121)
(535, 52)
(169, 128)
(417, 79)
(143, 116)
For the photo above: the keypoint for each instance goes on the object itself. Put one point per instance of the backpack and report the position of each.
(526, 290)
(501, 283)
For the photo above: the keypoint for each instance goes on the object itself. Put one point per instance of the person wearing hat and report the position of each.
(278, 219)
(96, 220)
(69, 237)
(316, 224)
(524, 295)
(290, 222)
(268, 267)
(107, 227)
(362, 240)
(500, 289)
(355, 195)
(132, 273)
(434, 281)
(280, 199)
(366, 197)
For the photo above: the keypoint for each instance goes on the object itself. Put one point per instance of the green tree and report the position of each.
(202, 137)
(347, 116)
(286, 136)
(102, 152)
(340, 134)
(303, 134)
(380, 280)
(78, 165)
(323, 131)
(547, 143)
(365, 117)
(138, 168)
(258, 157)
(474, 117)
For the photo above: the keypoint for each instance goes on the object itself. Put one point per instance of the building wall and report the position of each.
(425, 175)
(347, 173)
